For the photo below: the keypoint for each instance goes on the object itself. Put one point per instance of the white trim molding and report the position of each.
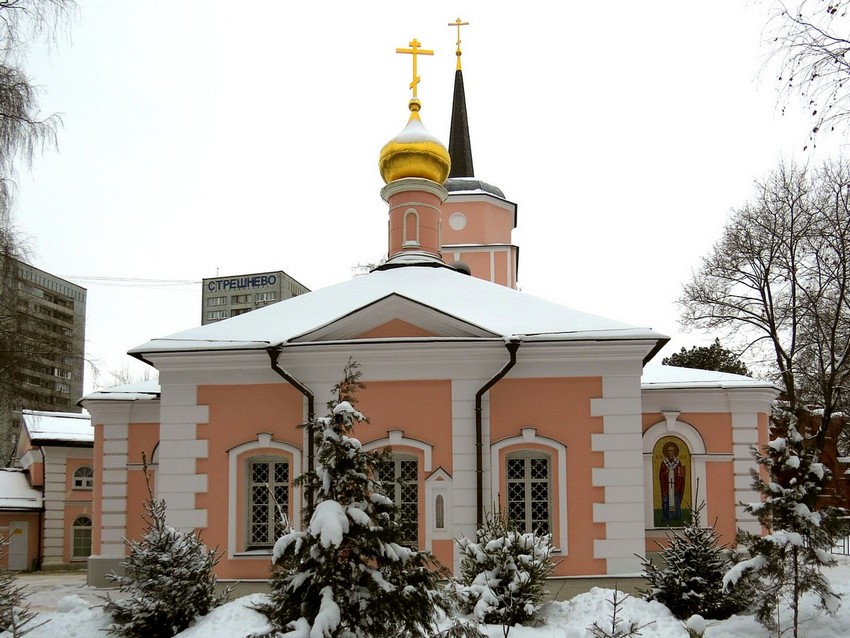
(264, 441)
(528, 436)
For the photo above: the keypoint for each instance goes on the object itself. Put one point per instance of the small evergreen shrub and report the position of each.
(15, 615)
(788, 561)
(617, 628)
(688, 578)
(503, 574)
(169, 578)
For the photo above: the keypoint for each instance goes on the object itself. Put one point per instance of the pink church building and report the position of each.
(485, 396)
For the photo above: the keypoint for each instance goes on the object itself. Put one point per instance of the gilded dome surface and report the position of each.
(414, 153)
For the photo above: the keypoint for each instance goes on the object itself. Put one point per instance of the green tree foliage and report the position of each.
(777, 285)
(504, 572)
(714, 357)
(787, 562)
(168, 577)
(687, 575)
(347, 573)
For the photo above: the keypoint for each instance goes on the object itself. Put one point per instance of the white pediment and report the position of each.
(393, 307)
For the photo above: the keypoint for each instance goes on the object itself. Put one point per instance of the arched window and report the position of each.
(440, 512)
(410, 227)
(268, 499)
(83, 478)
(400, 475)
(81, 538)
(529, 490)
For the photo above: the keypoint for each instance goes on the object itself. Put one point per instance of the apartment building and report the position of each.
(230, 296)
(46, 334)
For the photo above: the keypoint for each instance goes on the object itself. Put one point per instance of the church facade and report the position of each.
(486, 397)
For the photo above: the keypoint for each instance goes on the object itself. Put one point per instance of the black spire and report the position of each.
(460, 149)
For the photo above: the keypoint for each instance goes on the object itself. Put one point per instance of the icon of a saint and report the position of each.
(671, 479)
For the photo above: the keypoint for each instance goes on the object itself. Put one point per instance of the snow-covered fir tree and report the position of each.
(788, 561)
(687, 574)
(504, 572)
(169, 579)
(347, 574)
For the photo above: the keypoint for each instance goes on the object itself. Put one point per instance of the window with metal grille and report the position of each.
(81, 538)
(400, 476)
(529, 491)
(83, 478)
(268, 496)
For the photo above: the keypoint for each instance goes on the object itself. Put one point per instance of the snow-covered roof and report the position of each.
(487, 309)
(15, 491)
(141, 391)
(662, 377)
(70, 427)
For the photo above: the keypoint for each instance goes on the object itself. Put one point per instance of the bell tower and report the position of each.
(477, 219)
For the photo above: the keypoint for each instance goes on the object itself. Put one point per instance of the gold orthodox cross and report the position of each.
(414, 50)
(457, 23)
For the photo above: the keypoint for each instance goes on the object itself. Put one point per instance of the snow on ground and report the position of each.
(74, 611)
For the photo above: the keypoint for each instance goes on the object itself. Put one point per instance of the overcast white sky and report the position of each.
(204, 136)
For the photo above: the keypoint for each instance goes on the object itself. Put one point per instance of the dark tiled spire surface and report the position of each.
(460, 148)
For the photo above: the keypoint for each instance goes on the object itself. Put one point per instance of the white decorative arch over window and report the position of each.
(529, 436)
(410, 228)
(396, 438)
(264, 442)
(671, 426)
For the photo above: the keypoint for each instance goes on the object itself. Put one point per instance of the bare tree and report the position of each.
(810, 42)
(24, 336)
(777, 284)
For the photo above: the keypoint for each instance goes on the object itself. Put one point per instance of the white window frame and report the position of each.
(262, 445)
(397, 459)
(79, 527)
(266, 297)
(526, 524)
(529, 438)
(272, 513)
(83, 480)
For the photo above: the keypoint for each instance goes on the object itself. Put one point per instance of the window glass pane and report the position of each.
(81, 538)
(400, 477)
(83, 478)
(529, 492)
(268, 495)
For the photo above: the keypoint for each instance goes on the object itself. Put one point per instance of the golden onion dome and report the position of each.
(414, 153)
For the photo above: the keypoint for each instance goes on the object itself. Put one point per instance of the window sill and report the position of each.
(253, 553)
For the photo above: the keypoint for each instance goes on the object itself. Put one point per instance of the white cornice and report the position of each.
(480, 196)
(413, 184)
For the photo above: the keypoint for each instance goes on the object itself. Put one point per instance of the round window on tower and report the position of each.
(457, 221)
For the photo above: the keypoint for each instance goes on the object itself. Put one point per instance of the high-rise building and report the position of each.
(45, 325)
(225, 297)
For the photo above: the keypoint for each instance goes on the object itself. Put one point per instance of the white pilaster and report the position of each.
(621, 445)
(744, 438)
(178, 481)
(464, 502)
